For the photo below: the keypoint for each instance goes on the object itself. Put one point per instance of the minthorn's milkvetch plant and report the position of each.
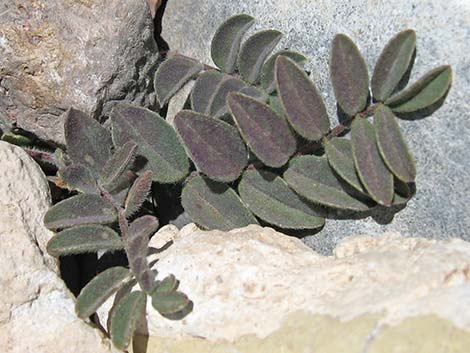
(254, 146)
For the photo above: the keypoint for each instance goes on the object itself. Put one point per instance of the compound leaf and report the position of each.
(426, 91)
(124, 317)
(268, 79)
(138, 193)
(168, 303)
(204, 89)
(78, 177)
(214, 205)
(226, 42)
(392, 145)
(393, 64)
(118, 163)
(349, 75)
(84, 239)
(99, 289)
(372, 171)
(312, 178)
(215, 147)
(301, 101)
(172, 74)
(255, 51)
(156, 141)
(269, 198)
(266, 133)
(78, 210)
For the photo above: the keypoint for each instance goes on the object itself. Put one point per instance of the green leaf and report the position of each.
(118, 163)
(84, 239)
(255, 93)
(255, 51)
(156, 141)
(349, 75)
(341, 159)
(167, 303)
(215, 147)
(172, 74)
(78, 210)
(78, 177)
(426, 91)
(138, 193)
(301, 101)
(392, 145)
(226, 42)
(393, 64)
(214, 205)
(204, 90)
(268, 79)
(373, 172)
(167, 285)
(218, 106)
(269, 198)
(266, 133)
(88, 143)
(312, 178)
(128, 311)
(99, 289)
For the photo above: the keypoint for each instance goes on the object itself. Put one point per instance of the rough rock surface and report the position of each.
(257, 290)
(36, 309)
(439, 143)
(55, 54)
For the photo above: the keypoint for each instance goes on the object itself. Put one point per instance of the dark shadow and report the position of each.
(342, 116)
(424, 113)
(406, 76)
(163, 46)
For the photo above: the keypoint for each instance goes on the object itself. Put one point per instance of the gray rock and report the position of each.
(55, 54)
(440, 143)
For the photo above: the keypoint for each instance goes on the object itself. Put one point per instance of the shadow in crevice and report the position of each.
(163, 46)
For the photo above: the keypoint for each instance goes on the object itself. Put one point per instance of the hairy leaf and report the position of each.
(172, 74)
(146, 225)
(167, 303)
(118, 163)
(218, 105)
(78, 177)
(373, 172)
(266, 133)
(255, 51)
(88, 143)
(268, 79)
(214, 205)
(255, 93)
(312, 178)
(168, 284)
(84, 239)
(99, 289)
(215, 147)
(392, 145)
(138, 193)
(78, 210)
(124, 317)
(349, 75)
(426, 91)
(301, 101)
(226, 42)
(204, 90)
(269, 197)
(393, 64)
(156, 139)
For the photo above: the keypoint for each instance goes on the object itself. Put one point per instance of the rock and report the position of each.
(56, 54)
(36, 309)
(257, 290)
(439, 143)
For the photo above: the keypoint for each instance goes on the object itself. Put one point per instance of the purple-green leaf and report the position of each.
(226, 41)
(204, 89)
(168, 303)
(269, 197)
(426, 91)
(268, 79)
(156, 141)
(301, 101)
(393, 64)
(138, 193)
(255, 51)
(392, 145)
(349, 75)
(215, 147)
(78, 210)
(168, 284)
(312, 178)
(172, 74)
(218, 105)
(214, 205)
(267, 134)
(118, 163)
(78, 177)
(374, 174)
(146, 225)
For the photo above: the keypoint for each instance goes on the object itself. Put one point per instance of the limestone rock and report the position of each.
(36, 309)
(439, 143)
(55, 54)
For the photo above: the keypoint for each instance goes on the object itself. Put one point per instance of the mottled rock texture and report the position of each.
(55, 54)
(439, 143)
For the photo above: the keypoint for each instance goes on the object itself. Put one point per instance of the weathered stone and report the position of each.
(55, 54)
(36, 309)
(439, 143)
(257, 290)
